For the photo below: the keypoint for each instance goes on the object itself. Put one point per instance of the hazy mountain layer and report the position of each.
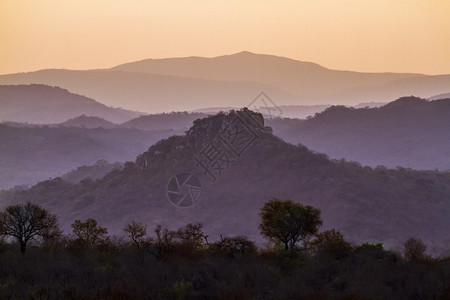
(441, 96)
(190, 83)
(42, 104)
(311, 82)
(410, 132)
(153, 93)
(293, 76)
(32, 154)
(174, 120)
(88, 122)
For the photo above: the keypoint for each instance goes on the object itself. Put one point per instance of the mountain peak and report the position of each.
(208, 128)
(44, 104)
(245, 52)
(406, 102)
(240, 126)
(84, 121)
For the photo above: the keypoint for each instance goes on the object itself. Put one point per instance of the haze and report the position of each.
(375, 36)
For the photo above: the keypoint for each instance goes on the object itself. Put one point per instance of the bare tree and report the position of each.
(192, 235)
(136, 232)
(26, 222)
(232, 246)
(414, 249)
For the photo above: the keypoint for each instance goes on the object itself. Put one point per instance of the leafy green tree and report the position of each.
(289, 222)
(136, 231)
(26, 222)
(370, 247)
(89, 232)
(331, 242)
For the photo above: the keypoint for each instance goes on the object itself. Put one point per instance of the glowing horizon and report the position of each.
(358, 35)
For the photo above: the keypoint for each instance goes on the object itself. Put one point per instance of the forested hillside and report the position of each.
(375, 205)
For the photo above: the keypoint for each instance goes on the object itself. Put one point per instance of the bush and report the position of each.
(233, 247)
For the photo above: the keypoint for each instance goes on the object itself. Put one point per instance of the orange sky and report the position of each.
(375, 35)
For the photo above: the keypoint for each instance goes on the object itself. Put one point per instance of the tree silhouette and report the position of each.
(288, 222)
(192, 235)
(331, 242)
(136, 232)
(25, 222)
(414, 249)
(88, 232)
(232, 246)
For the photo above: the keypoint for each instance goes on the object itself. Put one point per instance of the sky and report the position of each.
(359, 35)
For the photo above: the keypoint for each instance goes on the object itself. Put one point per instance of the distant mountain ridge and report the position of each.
(189, 83)
(34, 153)
(441, 96)
(293, 76)
(409, 132)
(173, 120)
(147, 92)
(88, 122)
(152, 122)
(43, 104)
